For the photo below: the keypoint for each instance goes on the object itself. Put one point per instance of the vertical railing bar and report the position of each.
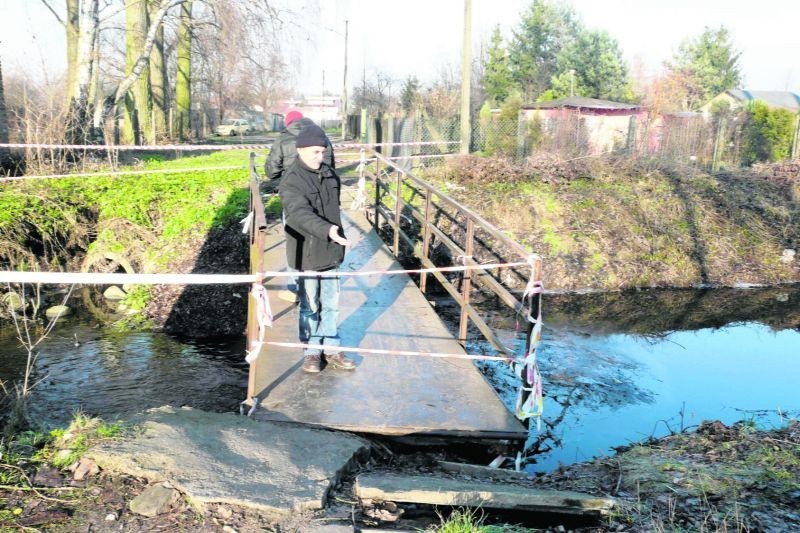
(466, 285)
(377, 193)
(398, 200)
(426, 239)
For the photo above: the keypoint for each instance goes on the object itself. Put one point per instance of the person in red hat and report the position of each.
(281, 156)
(284, 150)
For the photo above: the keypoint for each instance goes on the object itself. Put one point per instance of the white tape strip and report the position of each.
(196, 147)
(92, 278)
(101, 174)
(390, 352)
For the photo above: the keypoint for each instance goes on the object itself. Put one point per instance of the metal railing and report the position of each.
(390, 181)
(258, 232)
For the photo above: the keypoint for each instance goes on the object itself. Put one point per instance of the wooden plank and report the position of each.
(439, 490)
(392, 395)
(482, 471)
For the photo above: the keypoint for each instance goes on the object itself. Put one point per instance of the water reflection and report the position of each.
(114, 374)
(619, 368)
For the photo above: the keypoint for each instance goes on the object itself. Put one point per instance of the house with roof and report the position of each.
(595, 126)
(739, 98)
(324, 110)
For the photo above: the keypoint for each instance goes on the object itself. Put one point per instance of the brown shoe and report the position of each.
(338, 360)
(312, 364)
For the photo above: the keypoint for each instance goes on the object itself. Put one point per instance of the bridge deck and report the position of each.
(390, 395)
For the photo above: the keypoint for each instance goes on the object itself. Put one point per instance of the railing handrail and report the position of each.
(473, 221)
(490, 228)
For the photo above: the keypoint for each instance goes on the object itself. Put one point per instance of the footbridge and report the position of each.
(414, 376)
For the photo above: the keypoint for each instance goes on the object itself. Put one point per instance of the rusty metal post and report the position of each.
(426, 239)
(466, 285)
(377, 193)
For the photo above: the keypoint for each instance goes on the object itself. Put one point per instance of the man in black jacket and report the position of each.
(309, 192)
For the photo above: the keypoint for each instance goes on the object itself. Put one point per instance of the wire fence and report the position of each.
(717, 142)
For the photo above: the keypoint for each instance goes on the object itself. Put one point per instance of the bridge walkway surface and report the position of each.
(386, 394)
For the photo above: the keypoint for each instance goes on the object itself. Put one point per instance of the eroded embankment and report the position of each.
(616, 224)
(185, 222)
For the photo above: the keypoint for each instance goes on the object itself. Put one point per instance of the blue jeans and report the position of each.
(319, 311)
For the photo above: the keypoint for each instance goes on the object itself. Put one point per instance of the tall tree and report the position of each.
(73, 29)
(409, 98)
(138, 127)
(592, 66)
(546, 28)
(497, 76)
(82, 26)
(183, 78)
(158, 77)
(707, 66)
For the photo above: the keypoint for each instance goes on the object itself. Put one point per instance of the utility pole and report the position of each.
(344, 86)
(466, 71)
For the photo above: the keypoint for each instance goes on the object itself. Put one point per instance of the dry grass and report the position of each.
(616, 224)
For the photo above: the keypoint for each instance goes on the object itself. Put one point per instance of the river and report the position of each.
(617, 368)
(85, 367)
(623, 367)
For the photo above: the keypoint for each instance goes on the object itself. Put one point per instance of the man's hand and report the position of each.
(335, 237)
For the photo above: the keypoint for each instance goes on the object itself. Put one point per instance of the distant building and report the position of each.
(739, 98)
(324, 110)
(600, 125)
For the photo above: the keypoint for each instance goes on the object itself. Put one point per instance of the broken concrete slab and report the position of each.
(224, 458)
(441, 490)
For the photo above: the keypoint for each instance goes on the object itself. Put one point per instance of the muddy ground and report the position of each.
(718, 478)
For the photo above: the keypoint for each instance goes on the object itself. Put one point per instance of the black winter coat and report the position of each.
(311, 204)
(284, 150)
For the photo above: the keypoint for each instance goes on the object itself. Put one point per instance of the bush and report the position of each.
(767, 134)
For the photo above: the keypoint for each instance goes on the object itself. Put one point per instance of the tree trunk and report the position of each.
(183, 79)
(73, 30)
(96, 97)
(158, 77)
(4, 152)
(137, 128)
(79, 103)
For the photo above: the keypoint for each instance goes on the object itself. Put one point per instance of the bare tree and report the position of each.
(30, 335)
(376, 94)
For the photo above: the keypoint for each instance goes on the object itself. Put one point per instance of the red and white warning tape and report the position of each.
(390, 352)
(102, 174)
(197, 147)
(93, 278)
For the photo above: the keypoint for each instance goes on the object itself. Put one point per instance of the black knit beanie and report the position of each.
(311, 135)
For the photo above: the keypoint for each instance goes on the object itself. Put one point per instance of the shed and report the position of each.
(600, 125)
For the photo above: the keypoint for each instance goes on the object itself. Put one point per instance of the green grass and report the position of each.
(467, 520)
(152, 214)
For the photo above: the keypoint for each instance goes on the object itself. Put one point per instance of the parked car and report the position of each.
(233, 126)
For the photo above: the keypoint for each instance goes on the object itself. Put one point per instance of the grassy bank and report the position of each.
(141, 223)
(620, 224)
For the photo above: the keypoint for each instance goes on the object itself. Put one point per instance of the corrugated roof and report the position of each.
(580, 102)
(782, 99)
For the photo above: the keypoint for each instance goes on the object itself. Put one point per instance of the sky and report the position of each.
(421, 37)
